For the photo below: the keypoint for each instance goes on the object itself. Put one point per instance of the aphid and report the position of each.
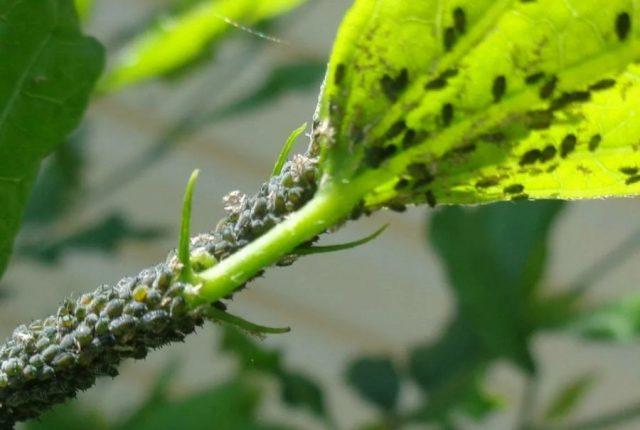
(623, 26)
(548, 153)
(449, 38)
(447, 114)
(567, 98)
(50, 352)
(530, 157)
(460, 20)
(114, 308)
(409, 139)
(602, 85)
(568, 145)
(514, 189)
(155, 320)
(395, 130)
(548, 88)
(487, 182)
(594, 142)
(123, 326)
(393, 87)
(63, 360)
(633, 179)
(534, 78)
(629, 170)
(499, 88)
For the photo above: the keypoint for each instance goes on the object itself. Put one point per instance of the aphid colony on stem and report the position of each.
(47, 361)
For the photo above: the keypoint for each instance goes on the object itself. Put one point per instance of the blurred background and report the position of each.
(451, 319)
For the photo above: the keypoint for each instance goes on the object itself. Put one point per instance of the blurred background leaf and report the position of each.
(38, 111)
(106, 235)
(569, 397)
(181, 38)
(376, 380)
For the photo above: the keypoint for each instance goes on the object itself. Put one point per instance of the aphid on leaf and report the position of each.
(623, 26)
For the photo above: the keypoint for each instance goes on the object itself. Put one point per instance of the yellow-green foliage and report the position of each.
(483, 100)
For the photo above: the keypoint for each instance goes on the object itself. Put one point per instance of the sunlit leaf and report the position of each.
(483, 100)
(178, 39)
(84, 8)
(569, 397)
(48, 71)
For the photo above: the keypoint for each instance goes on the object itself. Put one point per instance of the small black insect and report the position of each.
(449, 38)
(447, 114)
(530, 157)
(534, 78)
(514, 189)
(595, 141)
(459, 20)
(548, 88)
(629, 170)
(623, 26)
(604, 84)
(393, 87)
(568, 145)
(499, 88)
(548, 153)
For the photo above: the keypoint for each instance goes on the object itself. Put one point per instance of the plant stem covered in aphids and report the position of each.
(48, 361)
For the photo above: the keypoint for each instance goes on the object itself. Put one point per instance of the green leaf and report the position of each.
(376, 380)
(299, 391)
(310, 250)
(249, 353)
(618, 321)
(59, 183)
(286, 149)
(495, 257)
(230, 406)
(483, 100)
(68, 417)
(569, 397)
(84, 8)
(104, 235)
(49, 69)
(185, 226)
(176, 40)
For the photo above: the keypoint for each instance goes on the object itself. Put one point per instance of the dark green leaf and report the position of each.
(376, 380)
(299, 391)
(457, 355)
(59, 183)
(251, 355)
(495, 258)
(229, 406)
(68, 417)
(106, 235)
(48, 72)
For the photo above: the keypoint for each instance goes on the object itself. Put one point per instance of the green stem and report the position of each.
(332, 204)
